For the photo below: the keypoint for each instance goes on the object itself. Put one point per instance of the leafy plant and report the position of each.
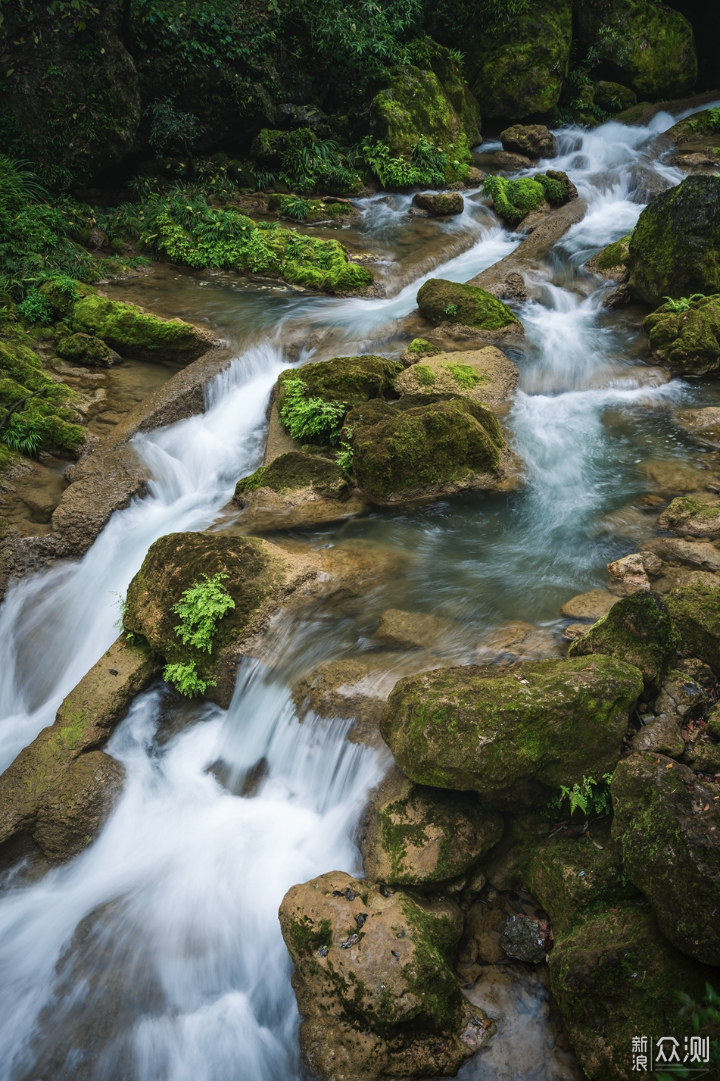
(295, 207)
(186, 680)
(18, 182)
(714, 119)
(427, 167)
(22, 434)
(344, 457)
(35, 308)
(590, 797)
(682, 304)
(200, 608)
(310, 418)
(450, 310)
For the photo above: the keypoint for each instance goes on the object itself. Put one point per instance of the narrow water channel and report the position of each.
(156, 955)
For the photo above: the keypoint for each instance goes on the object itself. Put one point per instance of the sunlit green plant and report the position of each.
(682, 304)
(310, 418)
(200, 608)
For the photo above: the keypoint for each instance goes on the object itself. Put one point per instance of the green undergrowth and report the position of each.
(590, 797)
(308, 418)
(200, 608)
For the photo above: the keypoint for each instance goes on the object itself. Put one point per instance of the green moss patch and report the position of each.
(515, 199)
(695, 612)
(614, 255)
(686, 341)
(296, 470)
(443, 301)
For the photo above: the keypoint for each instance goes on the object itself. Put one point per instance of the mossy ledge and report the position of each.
(442, 301)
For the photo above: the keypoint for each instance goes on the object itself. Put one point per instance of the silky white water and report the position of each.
(156, 955)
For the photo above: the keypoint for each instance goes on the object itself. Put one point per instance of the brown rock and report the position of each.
(592, 605)
(442, 205)
(661, 736)
(691, 517)
(516, 641)
(697, 554)
(418, 630)
(508, 162)
(485, 375)
(628, 575)
(533, 140)
(702, 424)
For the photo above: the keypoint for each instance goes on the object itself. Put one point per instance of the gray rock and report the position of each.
(526, 938)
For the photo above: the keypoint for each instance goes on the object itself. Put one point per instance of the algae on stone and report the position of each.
(695, 612)
(423, 444)
(294, 470)
(691, 517)
(687, 342)
(443, 301)
(85, 349)
(512, 736)
(350, 380)
(668, 823)
(615, 977)
(639, 630)
(674, 247)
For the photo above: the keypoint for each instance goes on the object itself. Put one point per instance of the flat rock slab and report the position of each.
(266, 510)
(486, 375)
(701, 424)
(592, 605)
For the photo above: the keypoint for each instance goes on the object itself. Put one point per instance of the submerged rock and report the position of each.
(639, 630)
(485, 375)
(414, 835)
(691, 518)
(686, 341)
(616, 977)
(644, 45)
(668, 823)
(443, 301)
(695, 612)
(420, 630)
(525, 938)
(592, 605)
(534, 140)
(60, 789)
(702, 424)
(441, 205)
(519, 70)
(84, 349)
(374, 981)
(425, 446)
(513, 736)
(674, 247)
(516, 641)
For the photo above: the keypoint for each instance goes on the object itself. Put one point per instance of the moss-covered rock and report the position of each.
(443, 301)
(576, 879)
(674, 247)
(259, 574)
(613, 261)
(515, 736)
(643, 45)
(418, 349)
(513, 200)
(668, 823)
(637, 629)
(350, 380)
(414, 105)
(533, 140)
(520, 69)
(616, 977)
(374, 981)
(295, 470)
(84, 349)
(423, 446)
(125, 328)
(507, 866)
(614, 97)
(485, 375)
(695, 612)
(59, 790)
(691, 518)
(414, 835)
(687, 342)
(441, 205)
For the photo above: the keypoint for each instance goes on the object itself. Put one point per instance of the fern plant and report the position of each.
(682, 304)
(200, 608)
(310, 418)
(591, 797)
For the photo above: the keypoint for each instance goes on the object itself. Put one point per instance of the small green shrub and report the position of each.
(185, 679)
(310, 418)
(450, 310)
(426, 167)
(200, 608)
(714, 119)
(295, 207)
(344, 457)
(590, 797)
(682, 304)
(22, 435)
(35, 308)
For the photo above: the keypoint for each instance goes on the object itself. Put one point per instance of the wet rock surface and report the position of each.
(440, 205)
(533, 140)
(661, 807)
(484, 375)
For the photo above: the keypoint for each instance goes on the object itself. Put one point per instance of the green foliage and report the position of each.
(450, 310)
(200, 607)
(185, 679)
(295, 207)
(514, 199)
(344, 457)
(18, 182)
(463, 374)
(705, 1017)
(426, 168)
(171, 128)
(714, 119)
(590, 798)
(454, 18)
(682, 304)
(309, 163)
(310, 418)
(35, 307)
(22, 435)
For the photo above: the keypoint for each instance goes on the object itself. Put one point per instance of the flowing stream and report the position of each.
(156, 955)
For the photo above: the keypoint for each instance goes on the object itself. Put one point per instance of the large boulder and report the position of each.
(687, 341)
(414, 835)
(86, 350)
(616, 977)
(637, 629)
(533, 140)
(691, 518)
(415, 105)
(71, 91)
(443, 301)
(695, 612)
(60, 789)
(668, 822)
(259, 577)
(375, 983)
(519, 69)
(641, 44)
(441, 205)
(674, 247)
(125, 328)
(426, 446)
(511, 736)
(485, 375)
